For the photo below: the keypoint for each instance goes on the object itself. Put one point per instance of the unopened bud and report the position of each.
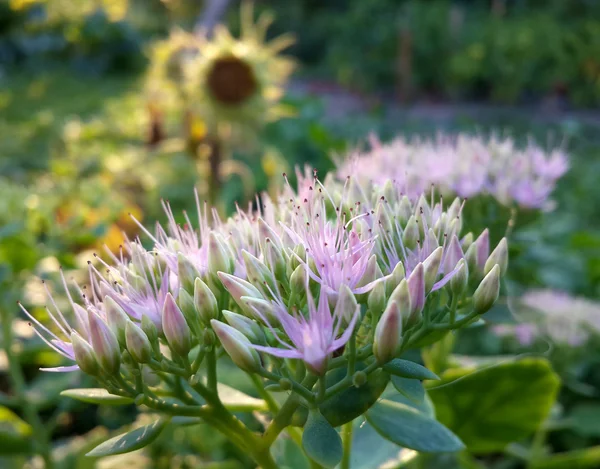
(138, 344)
(411, 233)
(105, 344)
(416, 288)
(453, 253)
(285, 384)
(257, 271)
(346, 304)
(488, 291)
(467, 241)
(459, 280)
(471, 258)
(388, 334)
(246, 326)
(498, 256)
(237, 346)
(219, 255)
(186, 272)
(395, 278)
(187, 306)
(205, 302)
(175, 328)
(84, 355)
(150, 330)
(405, 210)
(116, 317)
(377, 299)
(372, 272)
(482, 243)
(238, 288)
(260, 309)
(298, 281)
(359, 379)
(432, 267)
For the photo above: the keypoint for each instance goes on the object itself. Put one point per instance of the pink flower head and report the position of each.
(311, 337)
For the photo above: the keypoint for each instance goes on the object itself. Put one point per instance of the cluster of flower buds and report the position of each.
(463, 165)
(324, 265)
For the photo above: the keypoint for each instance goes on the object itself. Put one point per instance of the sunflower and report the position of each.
(239, 81)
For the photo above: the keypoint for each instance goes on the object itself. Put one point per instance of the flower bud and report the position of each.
(411, 233)
(359, 379)
(299, 281)
(416, 288)
(138, 344)
(471, 258)
(431, 266)
(372, 272)
(459, 280)
(238, 288)
(401, 296)
(187, 306)
(388, 334)
(105, 344)
(498, 256)
(257, 271)
(219, 255)
(395, 278)
(175, 328)
(116, 318)
(237, 346)
(404, 210)
(467, 241)
(150, 330)
(488, 291)
(377, 299)
(482, 244)
(453, 254)
(454, 208)
(205, 302)
(260, 309)
(186, 272)
(246, 326)
(346, 304)
(84, 355)
(298, 256)
(266, 232)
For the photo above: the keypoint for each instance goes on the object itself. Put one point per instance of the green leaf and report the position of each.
(15, 434)
(352, 402)
(409, 428)
(237, 401)
(371, 451)
(410, 388)
(584, 419)
(320, 440)
(130, 441)
(498, 405)
(96, 396)
(587, 458)
(288, 455)
(408, 369)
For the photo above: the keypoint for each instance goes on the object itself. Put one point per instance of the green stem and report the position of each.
(29, 409)
(347, 444)
(281, 420)
(211, 370)
(260, 388)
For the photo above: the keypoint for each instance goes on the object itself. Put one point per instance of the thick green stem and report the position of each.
(281, 420)
(211, 370)
(260, 388)
(347, 444)
(29, 409)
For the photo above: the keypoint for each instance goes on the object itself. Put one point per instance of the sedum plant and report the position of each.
(316, 296)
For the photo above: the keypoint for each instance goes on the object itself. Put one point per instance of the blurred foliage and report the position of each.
(454, 49)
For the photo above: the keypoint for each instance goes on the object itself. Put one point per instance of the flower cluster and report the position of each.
(463, 165)
(298, 279)
(555, 315)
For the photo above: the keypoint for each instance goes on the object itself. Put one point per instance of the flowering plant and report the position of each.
(316, 295)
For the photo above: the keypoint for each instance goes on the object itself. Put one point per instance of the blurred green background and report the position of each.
(75, 155)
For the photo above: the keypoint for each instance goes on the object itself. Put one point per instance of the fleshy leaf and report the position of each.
(15, 434)
(409, 428)
(410, 388)
(96, 396)
(498, 405)
(408, 369)
(320, 440)
(130, 441)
